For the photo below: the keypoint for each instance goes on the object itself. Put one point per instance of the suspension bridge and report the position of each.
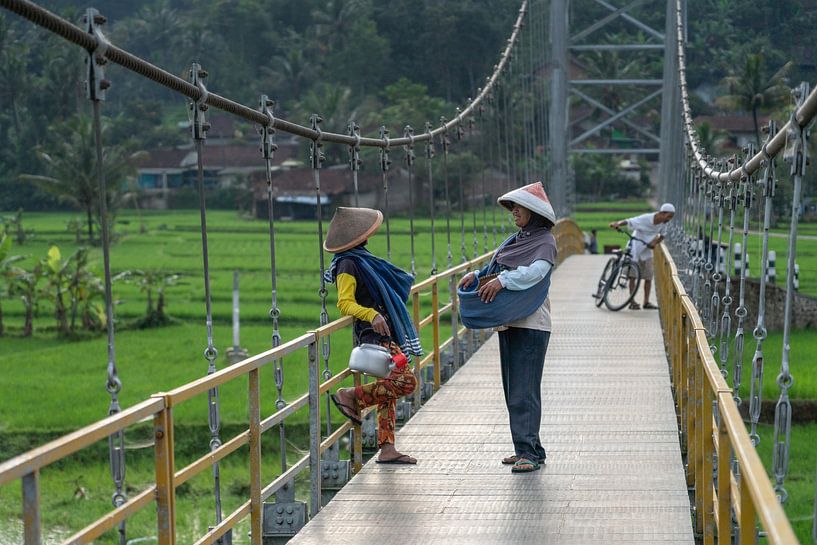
(641, 417)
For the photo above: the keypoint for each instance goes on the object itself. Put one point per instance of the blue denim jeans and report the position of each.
(522, 357)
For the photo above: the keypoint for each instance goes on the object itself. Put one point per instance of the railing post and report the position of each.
(32, 529)
(418, 375)
(700, 432)
(724, 479)
(455, 326)
(435, 323)
(708, 471)
(256, 506)
(357, 446)
(690, 406)
(748, 533)
(314, 430)
(165, 469)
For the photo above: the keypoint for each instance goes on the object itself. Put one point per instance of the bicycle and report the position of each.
(614, 285)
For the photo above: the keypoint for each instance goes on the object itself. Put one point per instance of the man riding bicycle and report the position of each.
(651, 227)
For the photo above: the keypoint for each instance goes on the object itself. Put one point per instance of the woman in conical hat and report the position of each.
(513, 292)
(374, 292)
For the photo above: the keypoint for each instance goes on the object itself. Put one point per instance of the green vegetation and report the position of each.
(800, 481)
(160, 359)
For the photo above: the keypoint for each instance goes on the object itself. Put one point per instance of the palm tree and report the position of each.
(711, 139)
(71, 163)
(750, 90)
(290, 72)
(335, 19)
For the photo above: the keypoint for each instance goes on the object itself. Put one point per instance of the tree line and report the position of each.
(397, 62)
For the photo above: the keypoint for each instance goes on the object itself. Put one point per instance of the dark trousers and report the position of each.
(522, 356)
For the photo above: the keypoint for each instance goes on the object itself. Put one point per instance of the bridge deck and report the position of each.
(613, 473)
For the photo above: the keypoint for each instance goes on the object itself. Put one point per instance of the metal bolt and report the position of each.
(104, 84)
(100, 19)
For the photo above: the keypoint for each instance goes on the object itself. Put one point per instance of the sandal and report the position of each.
(635, 306)
(511, 460)
(346, 410)
(403, 459)
(650, 306)
(523, 465)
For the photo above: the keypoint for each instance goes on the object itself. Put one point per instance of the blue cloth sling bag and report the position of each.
(508, 306)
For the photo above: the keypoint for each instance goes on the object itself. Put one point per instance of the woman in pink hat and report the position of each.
(517, 281)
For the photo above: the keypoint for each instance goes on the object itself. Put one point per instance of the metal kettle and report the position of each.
(374, 360)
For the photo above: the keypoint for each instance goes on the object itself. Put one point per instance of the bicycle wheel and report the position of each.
(618, 293)
(608, 268)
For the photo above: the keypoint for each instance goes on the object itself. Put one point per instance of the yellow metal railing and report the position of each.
(160, 407)
(713, 429)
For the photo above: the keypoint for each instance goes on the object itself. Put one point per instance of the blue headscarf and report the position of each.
(389, 287)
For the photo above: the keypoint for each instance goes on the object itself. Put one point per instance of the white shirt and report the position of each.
(644, 228)
(522, 278)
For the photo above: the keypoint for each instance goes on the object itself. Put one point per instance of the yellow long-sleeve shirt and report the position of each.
(347, 303)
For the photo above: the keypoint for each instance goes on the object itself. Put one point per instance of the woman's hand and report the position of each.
(380, 326)
(467, 280)
(488, 291)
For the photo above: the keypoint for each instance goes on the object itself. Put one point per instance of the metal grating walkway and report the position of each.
(614, 471)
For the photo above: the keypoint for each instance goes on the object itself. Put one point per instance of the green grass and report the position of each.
(800, 482)
(801, 364)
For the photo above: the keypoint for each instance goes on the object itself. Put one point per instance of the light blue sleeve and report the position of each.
(526, 276)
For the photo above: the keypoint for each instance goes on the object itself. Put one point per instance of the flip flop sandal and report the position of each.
(403, 459)
(511, 460)
(635, 306)
(650, 306)
(523, 465)
(346, 410)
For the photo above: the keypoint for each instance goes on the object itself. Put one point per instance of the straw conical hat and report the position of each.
(532, 197)
(350, 227)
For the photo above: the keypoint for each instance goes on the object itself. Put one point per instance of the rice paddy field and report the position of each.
(61, 382)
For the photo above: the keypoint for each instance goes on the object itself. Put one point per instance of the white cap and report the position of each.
(667, 207)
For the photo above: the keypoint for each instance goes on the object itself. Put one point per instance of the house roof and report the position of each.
(239, 155)
(300, 181)
(732, 122)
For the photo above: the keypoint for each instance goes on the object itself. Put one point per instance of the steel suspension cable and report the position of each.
(716, 274)
(445, 141)
(471, 145)
(385, 163)
(484, 164)
(797, 156)
(268, 148)
(431, 198)
(199, 129)
(741, 312)
(410, 157)
(759, 333)
(354, 158)
(95, 88)
(460, 133)
(317, 159)
(726, 317)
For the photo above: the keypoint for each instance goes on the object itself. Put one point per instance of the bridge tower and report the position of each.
(615, 107)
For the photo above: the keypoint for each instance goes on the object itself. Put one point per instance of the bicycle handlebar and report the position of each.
(644, 242)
